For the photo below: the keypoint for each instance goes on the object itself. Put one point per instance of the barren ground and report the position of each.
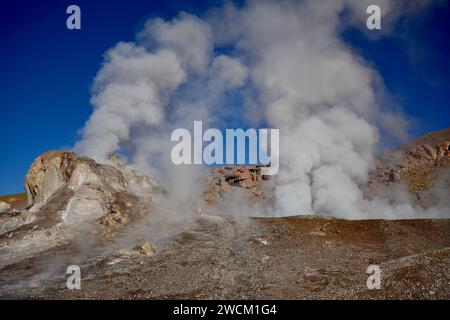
(264, 258)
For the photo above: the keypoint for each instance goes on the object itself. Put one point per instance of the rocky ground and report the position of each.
(130, 246)
(265, 258)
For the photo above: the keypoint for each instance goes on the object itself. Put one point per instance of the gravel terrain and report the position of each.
(263, 258)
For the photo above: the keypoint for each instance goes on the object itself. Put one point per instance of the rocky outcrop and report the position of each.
(47, 174)
(74, 200)
(426, 154)
(138, 183)
(417, 166)
(78, 188)
(224, 179)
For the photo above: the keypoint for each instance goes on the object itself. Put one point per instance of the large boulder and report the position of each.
(79, 188)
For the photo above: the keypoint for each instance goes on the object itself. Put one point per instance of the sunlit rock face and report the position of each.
(81, 189)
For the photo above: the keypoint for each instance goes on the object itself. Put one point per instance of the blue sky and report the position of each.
(46, 70)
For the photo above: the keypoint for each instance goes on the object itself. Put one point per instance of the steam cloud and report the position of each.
(287, 68)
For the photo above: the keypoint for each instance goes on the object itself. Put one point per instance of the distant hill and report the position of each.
(430, 138)
(18, 200)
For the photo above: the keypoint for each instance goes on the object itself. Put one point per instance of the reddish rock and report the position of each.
(247, 178)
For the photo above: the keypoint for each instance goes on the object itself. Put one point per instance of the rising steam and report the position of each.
(277, 64)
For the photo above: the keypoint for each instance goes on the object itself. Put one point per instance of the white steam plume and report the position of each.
(287, 55)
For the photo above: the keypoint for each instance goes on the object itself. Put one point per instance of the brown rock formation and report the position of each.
(224, 179)
(418, 166)
(78, 189)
